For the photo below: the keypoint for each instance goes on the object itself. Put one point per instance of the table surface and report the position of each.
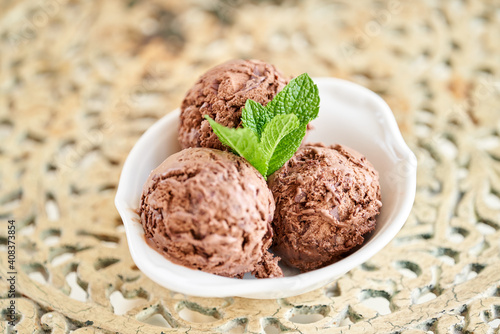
(80, 81)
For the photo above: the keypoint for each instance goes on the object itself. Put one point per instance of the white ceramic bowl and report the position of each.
(350, 115)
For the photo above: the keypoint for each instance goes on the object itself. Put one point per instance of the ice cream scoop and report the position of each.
(221, 93)
(327, 199)
(210, 210)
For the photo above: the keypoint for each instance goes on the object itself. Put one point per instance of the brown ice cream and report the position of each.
(210, 210)
(327, 199)
(221, 93)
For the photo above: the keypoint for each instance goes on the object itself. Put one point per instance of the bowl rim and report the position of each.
(218, 286)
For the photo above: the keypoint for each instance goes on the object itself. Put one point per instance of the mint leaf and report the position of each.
(272, 134)
(286, 148)
(255, 116)
(244, 142)
(275, 130)
(299, 97)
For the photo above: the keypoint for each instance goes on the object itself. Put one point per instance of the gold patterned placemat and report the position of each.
(80, 81)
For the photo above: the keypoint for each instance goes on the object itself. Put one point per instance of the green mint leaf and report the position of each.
(275, 130)
(272, 134)
(299, 97)
(286, 148)
(255, 116)
(244, 142)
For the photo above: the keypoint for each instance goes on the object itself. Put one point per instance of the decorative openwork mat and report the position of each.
(80, 81)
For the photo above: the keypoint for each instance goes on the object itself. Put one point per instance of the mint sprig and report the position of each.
(272, 134)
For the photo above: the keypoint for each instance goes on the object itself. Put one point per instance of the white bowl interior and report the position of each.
(350, 115)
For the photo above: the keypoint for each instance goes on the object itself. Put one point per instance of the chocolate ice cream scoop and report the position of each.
(210, 210)
(327, 199)
(221, 93)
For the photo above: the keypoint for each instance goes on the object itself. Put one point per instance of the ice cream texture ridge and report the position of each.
(209, 207)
